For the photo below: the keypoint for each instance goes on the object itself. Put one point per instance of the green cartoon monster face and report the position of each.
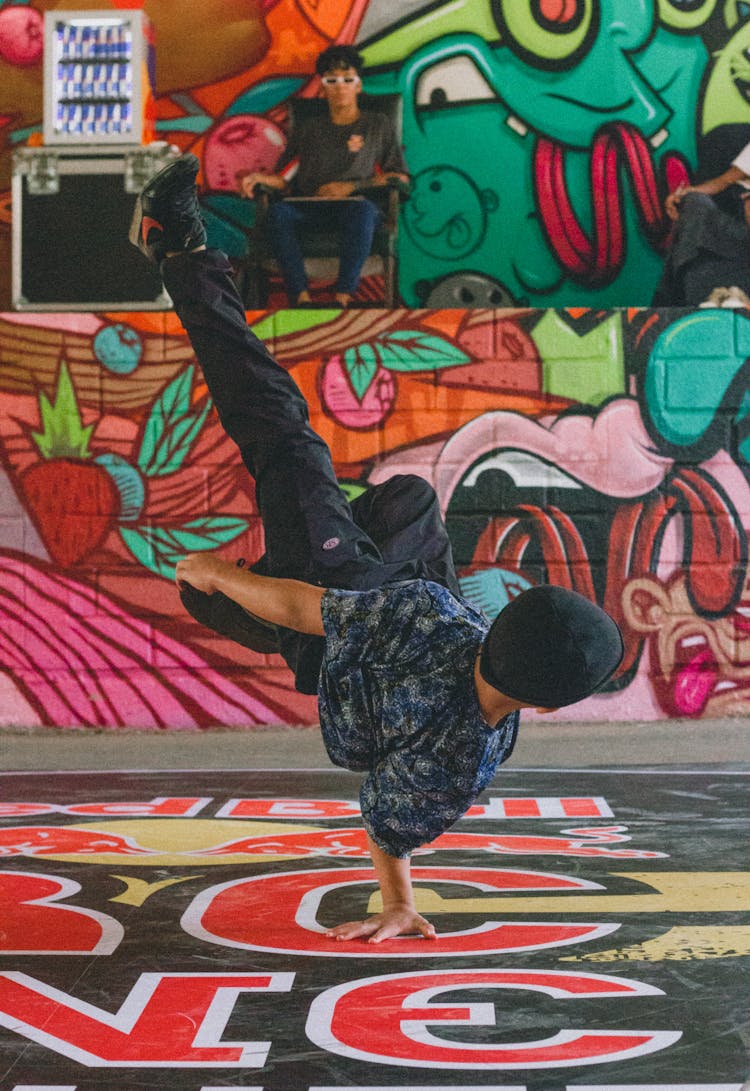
(570, 112)
(571, 66)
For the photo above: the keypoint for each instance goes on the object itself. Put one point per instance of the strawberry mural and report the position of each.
(72, 500)
(76, 499)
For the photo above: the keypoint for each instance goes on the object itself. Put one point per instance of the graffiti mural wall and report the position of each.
(542, 135)
(571, 434)
(605, 451)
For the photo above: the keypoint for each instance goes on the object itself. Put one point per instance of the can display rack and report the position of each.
(99, 78)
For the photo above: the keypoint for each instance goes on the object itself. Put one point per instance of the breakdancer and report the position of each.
(415, 688)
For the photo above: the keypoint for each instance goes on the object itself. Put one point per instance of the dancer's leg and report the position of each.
(307, 520)
(402, 516)
(309, 530)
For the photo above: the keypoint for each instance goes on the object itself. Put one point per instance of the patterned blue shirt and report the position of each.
(397, 698)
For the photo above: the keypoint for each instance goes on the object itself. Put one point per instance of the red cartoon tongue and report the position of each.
(694, 684)
(676, 171)
(617, 148)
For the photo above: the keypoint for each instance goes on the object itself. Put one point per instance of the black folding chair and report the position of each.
(320, 247)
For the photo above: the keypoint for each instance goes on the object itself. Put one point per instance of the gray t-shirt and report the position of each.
(325, 152)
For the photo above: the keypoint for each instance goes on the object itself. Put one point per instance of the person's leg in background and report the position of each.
(358, 220)
(669, 291)
(708, 249)
(709, 271)
(285, 220)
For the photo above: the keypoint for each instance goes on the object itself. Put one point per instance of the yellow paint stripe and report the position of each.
(678, 892)
(688, 944)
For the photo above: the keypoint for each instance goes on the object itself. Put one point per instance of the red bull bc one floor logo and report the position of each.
(172, 927)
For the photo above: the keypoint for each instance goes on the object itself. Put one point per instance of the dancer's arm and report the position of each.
(399, 916)
(291, 603)
(296, 605)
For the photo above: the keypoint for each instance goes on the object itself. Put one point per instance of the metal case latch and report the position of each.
(142, 163)
(43, 177)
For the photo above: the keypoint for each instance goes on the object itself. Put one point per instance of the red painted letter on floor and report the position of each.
(33, 925)
(278, 913)
(167, 1021)
(341, 1021)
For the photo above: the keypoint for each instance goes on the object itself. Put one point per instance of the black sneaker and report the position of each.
(227, 618)
(167, 215)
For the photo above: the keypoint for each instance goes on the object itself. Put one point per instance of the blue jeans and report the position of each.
(353, 221)
(391, 532)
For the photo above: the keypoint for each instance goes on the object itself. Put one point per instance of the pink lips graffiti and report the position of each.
(618, 148)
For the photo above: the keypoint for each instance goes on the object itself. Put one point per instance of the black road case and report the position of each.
(71, 215)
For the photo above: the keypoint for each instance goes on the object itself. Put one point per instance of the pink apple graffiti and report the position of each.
(21, 35)
(239, 145)
(341, 402)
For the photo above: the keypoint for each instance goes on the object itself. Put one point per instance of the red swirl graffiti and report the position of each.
(617, 149)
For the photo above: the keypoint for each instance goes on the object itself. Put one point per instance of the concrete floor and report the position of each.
(674, 743)
(672, 783)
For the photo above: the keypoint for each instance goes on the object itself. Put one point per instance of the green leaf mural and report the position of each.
(284, 322)
(417, 350)
(361, 363)
(172, 428)
(62, 433)
(400, 350)
(160, 548)
(264, 96)
(352, 489)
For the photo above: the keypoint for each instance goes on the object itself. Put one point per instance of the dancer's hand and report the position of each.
(392, 922)
(201, 570)
(398, 916)
(290, 603)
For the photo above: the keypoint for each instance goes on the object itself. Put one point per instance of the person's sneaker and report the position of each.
(167, 216)
(227, 618)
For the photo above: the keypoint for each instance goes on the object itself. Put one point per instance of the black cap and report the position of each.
(550, 647)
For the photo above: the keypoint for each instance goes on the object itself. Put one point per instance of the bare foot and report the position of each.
(343, 299)
(303, 297)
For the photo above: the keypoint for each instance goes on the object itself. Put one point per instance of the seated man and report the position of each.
(415, 688)
(710, 243)
(332, 157)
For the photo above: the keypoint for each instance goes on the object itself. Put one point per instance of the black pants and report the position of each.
(709, 249)
(392, 532)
